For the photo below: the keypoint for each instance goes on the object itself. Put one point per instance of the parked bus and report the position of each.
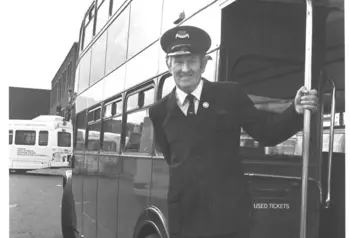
(121, 190)
(44, 142)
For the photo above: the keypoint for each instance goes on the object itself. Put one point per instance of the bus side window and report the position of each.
(112, 127)
(139, 130)
(10, 137)
(93, 143)
(80, 131)
(43, 138)
(23, 137)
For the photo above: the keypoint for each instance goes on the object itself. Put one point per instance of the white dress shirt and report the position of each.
(183, 103)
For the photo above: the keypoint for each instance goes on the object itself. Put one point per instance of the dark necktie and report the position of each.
(190, 110)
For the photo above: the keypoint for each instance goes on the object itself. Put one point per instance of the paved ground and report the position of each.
(35, 205)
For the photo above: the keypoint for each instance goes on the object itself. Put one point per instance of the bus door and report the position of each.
(263, 49)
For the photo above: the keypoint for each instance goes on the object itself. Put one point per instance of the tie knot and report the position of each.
(190, 97)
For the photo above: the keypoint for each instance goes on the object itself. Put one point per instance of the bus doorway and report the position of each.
(263, 48)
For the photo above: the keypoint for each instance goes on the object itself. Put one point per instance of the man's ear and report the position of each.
(167, 61)
(205, 61)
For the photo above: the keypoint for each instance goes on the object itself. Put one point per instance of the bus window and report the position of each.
(139, 130)
(107, 111)
(139, 135)
(97, 113)
(43, 138)
(112, 129)
(102, 14)
(148, 97)
(113, 109)
(84, 71)
(80, 132)
(93, 143)
(143, 26)
(98, 59)
(63, 139)
(91, 116)
(117, 41)
(25, 137)
(89, 27)
(10, 137)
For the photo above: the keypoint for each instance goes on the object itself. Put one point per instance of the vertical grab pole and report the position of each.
(307, 117)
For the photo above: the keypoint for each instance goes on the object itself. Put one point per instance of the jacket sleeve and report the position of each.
(159, 135)
(265, 127)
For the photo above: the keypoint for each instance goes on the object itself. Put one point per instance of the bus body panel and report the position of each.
(107, 194)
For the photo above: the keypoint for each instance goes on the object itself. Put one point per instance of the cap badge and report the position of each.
(182, 35)
(205, 104)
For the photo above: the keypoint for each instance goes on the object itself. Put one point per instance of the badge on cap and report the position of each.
(205, 104)
(182, 35)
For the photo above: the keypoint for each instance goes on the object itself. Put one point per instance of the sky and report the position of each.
(39, 35)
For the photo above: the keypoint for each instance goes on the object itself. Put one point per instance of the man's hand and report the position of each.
(306, 99)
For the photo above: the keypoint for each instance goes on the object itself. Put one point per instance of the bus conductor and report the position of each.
(197, 127)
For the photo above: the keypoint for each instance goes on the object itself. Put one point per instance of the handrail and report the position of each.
(307, 117)
(321, 85)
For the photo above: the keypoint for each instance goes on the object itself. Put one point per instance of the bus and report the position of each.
(43, 142)
(120, 190)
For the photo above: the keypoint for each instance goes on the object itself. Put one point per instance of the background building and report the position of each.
(63, 82)
(28, 103)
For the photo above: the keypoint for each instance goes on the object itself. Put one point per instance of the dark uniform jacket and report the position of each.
(208, 194)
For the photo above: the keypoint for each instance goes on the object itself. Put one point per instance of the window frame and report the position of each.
(110, 102)
(93, 112)
(89, 17)
(143, 88)
(92, 123)
(139, 90)
(115, 101)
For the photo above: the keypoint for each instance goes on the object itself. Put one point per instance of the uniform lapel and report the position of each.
(173, 108)
(206, 102)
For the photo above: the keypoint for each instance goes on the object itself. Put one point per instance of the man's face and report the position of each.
(187, 70)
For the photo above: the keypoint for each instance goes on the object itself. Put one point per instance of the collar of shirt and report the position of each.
(181, 95)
